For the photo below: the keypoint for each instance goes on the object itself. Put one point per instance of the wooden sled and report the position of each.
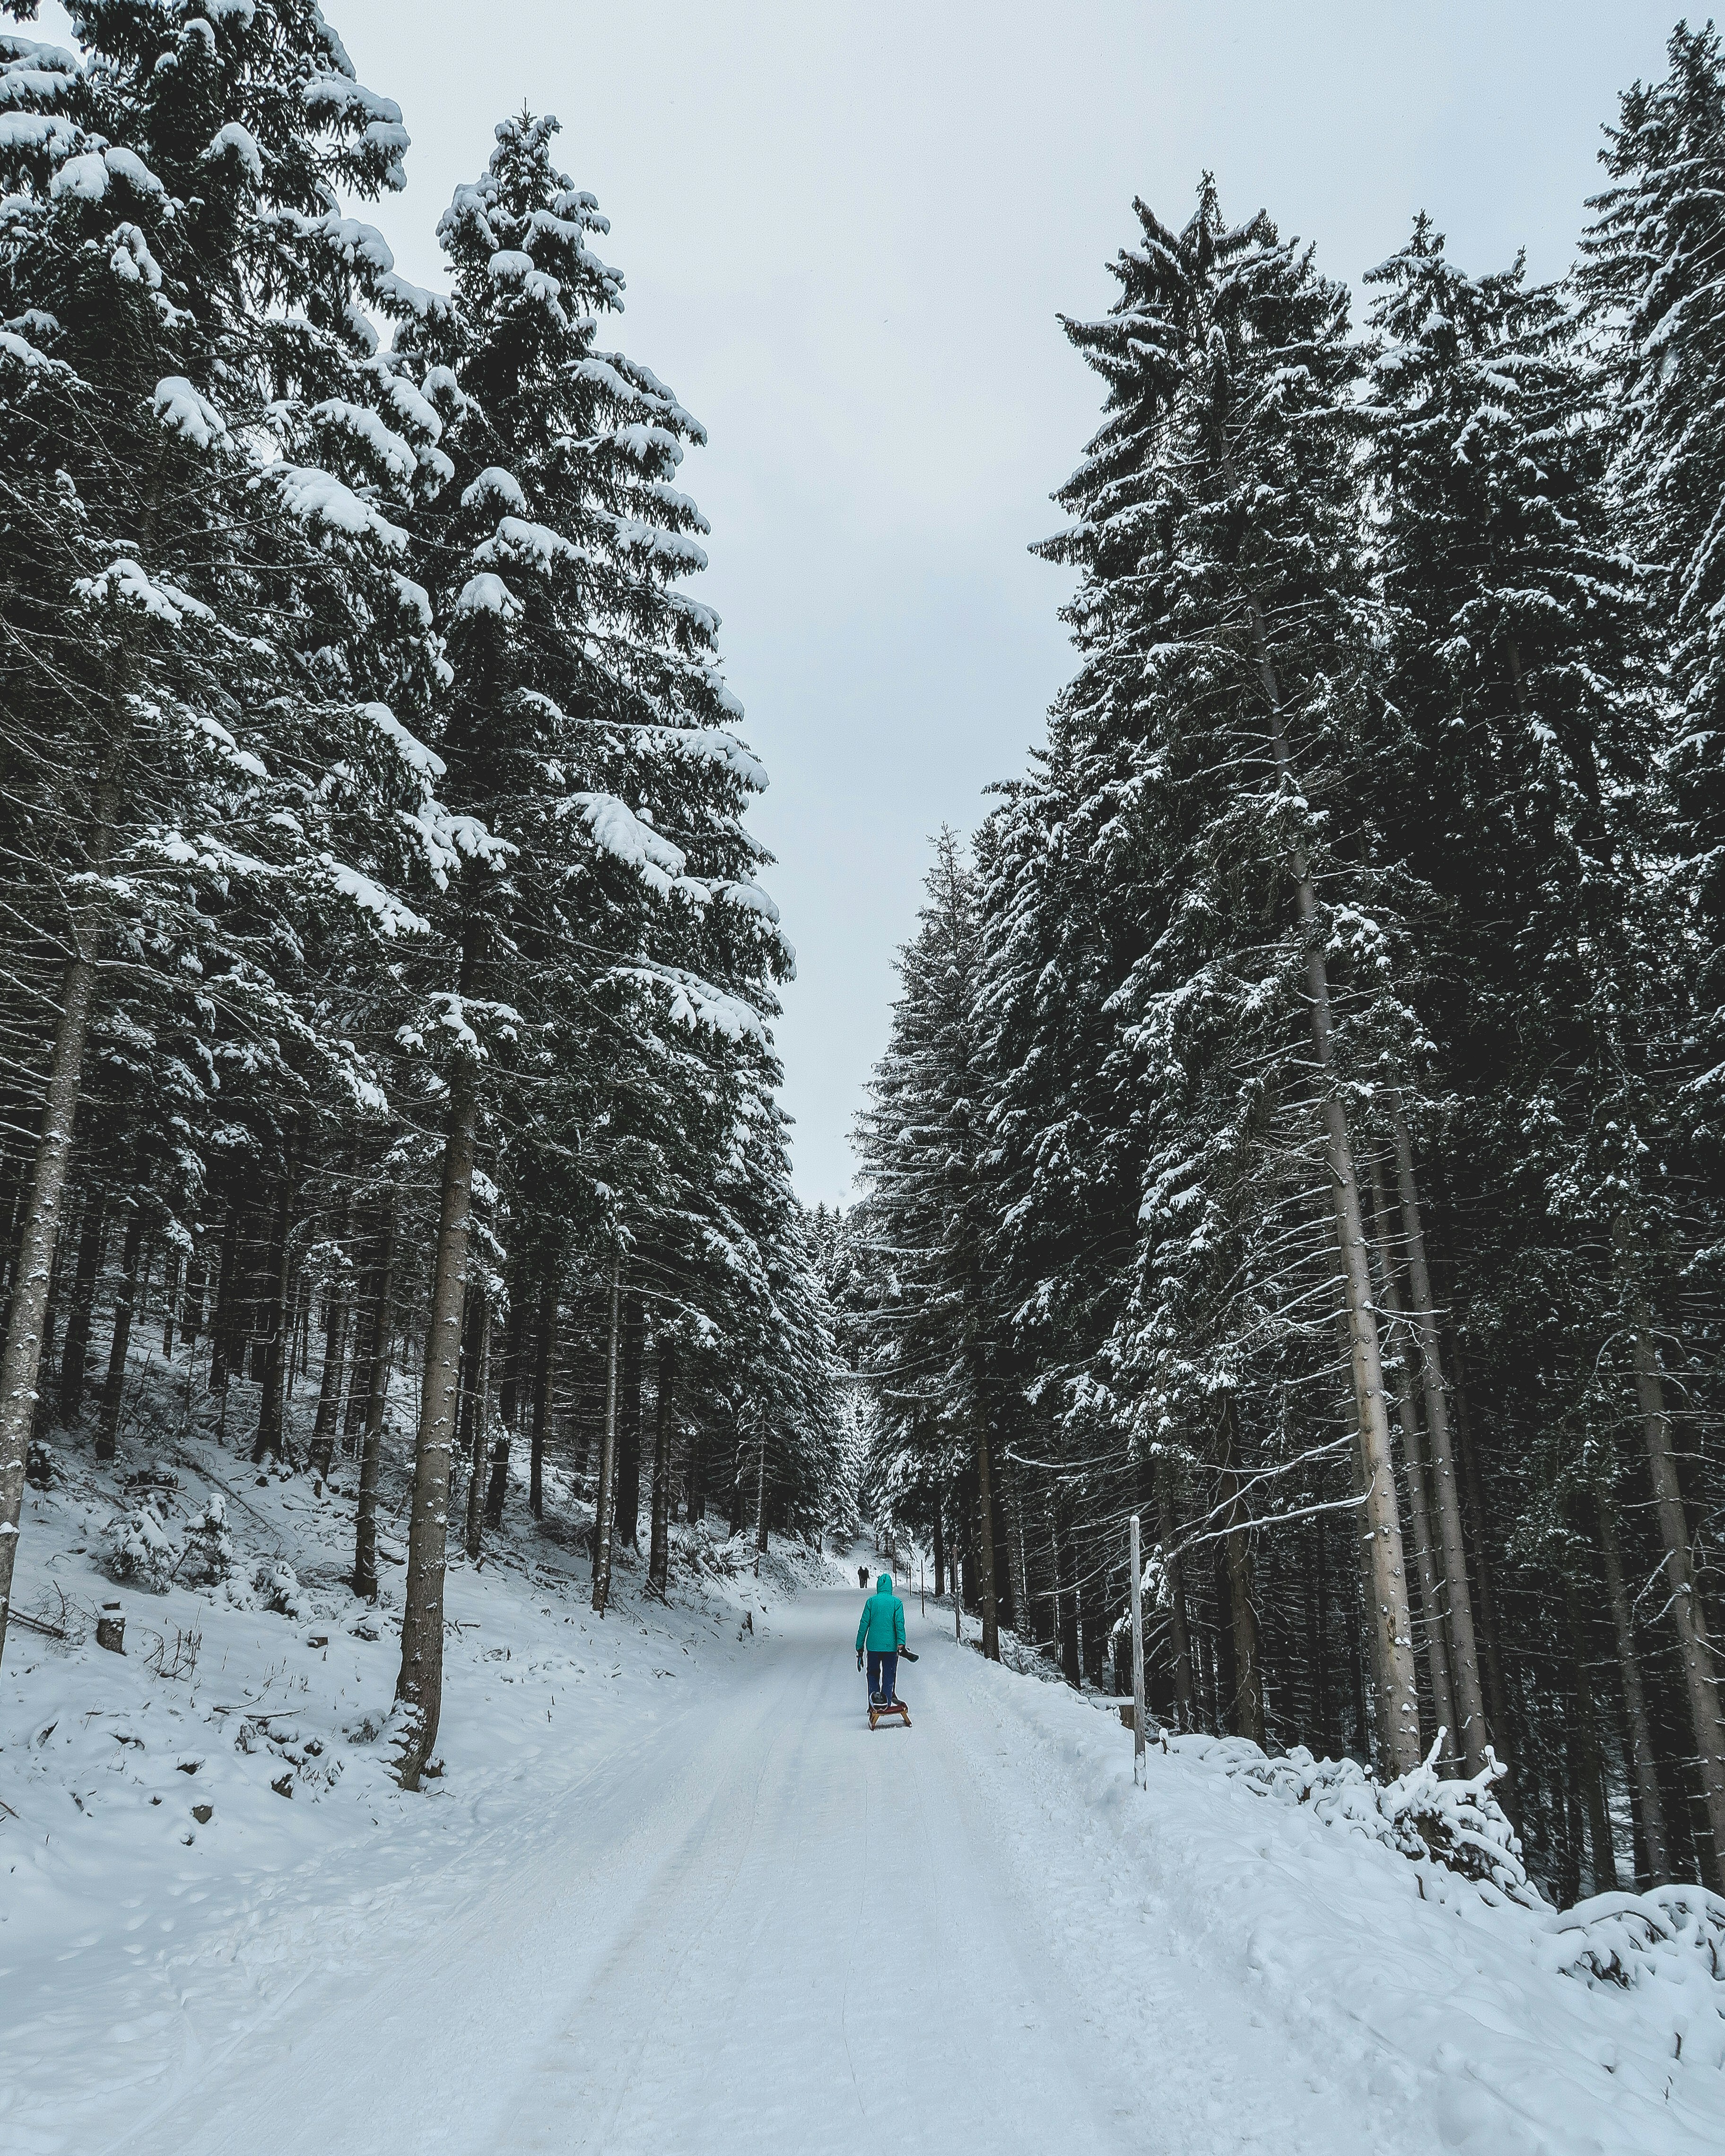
(877, 1714)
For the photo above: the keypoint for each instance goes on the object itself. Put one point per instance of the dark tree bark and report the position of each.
(1246, 1712)
(1399, 1339)
(335, 1354)
(379, 1298)
(628, 1422)
(1227, 1652)
(508, 1407)
(658, 1549)
(125, 1302)
(1688, 1616)
(696, 1471)
(1067, 1591)
(480, 1426)
(1005, 1598)
(197, 1278)
(1092, 1617)
(272, 1434)
(419, 1686)
(1654, 1860)
(1174, 1566)
(74, 1357)
(604, 1512)
(1328, 1732)
(545, 1352)
(1600, 1843)
(940, 1557)
(20, 1358)
(169, 1299)
(221, 1323)
(1469, 1701)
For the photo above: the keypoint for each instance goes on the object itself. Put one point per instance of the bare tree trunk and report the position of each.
(761, 1500)
(629, 1423)
(1392, 1620)
(1248, 1706)
(1017, 1579)
(335, 1354)
(940, 1556)
(1464, 1670)
(985, 1541)
(509, 1393)
(658, 1549)
(419, 1686)
(169, 1298)
(1502, 1732)
(697, 1495)
(1174, 1569)
(1599, 1837)
(1375, 1738)
(1688, 1618)
(272, 1435)
(21, 1357)
(196, 1279)
(227, 1289)
(1644, 1773)
(1432, 1595)
(544, 1367)
(125, 1302)
(482, 1381)
(604, 1509)
(1067, 1594)
(378, 1332)
(1092, 1624)
(74, 1357)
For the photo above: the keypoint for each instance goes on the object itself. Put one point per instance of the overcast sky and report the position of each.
(847, 231)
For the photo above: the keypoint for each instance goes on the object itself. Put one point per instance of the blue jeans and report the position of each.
(883, 1673)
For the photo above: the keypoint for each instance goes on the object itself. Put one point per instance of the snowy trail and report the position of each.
(763, 1928)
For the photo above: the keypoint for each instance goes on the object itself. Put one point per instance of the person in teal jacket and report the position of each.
(882, 1633)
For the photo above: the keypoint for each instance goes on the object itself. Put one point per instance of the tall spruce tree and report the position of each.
(202, 773)
(930, 1332)
(1216, 526)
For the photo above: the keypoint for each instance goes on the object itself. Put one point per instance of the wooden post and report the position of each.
(1139, 1774)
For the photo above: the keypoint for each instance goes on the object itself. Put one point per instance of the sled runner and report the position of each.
(880, 1712)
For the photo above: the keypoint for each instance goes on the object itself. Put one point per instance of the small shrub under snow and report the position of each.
(1676, 1932)
(142, 1551)
(277, 1585)
(1458, 1823)
(208, 1557)
(1673, 1934)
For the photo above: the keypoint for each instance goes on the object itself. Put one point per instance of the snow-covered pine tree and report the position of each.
(154, 188)
(587, 727)
(1219, 503)
(929, 1335)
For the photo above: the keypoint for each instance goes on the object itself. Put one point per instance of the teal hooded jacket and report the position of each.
(882, 1628)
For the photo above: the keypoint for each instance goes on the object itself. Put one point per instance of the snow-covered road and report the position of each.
(760, 1927)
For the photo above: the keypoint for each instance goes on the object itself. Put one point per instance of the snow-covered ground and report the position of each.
(671, 1894)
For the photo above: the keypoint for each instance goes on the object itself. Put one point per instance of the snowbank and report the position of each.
(1511, 2028)
(191, 1828)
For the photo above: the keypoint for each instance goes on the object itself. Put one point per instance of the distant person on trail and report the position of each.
(882, 1632)
(862, 1577)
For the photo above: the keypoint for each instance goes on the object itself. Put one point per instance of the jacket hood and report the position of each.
(883, 1585)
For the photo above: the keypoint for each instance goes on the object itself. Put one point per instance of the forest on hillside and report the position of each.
(1301, 1122)
(387, 981)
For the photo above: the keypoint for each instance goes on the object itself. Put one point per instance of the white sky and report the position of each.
(846, 232)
